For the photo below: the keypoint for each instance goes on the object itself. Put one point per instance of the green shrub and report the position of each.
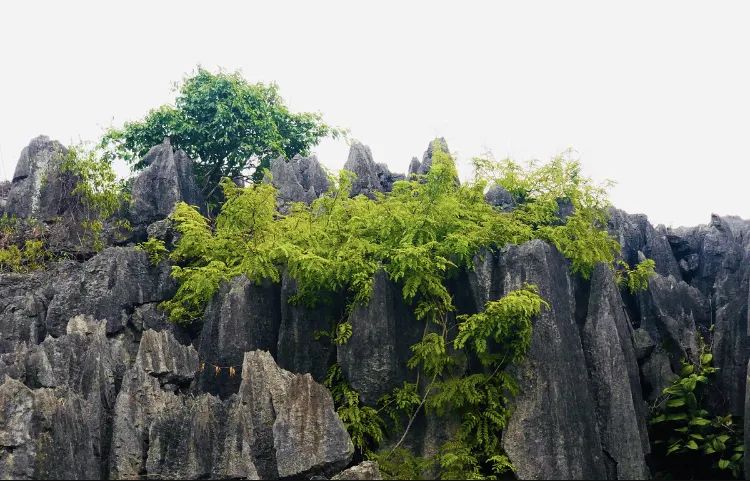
(692, 442)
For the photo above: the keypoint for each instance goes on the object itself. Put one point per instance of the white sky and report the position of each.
(654, 95)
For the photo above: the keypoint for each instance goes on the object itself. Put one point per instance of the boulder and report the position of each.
(498, 197)
(167, 179)
(362, 471)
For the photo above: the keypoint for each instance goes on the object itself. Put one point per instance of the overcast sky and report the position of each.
(653, 95)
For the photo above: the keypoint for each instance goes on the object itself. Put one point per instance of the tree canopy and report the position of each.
(225, 123)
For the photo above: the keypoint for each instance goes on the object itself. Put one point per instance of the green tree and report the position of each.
(225, 123)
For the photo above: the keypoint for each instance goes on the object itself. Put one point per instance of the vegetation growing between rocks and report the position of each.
(682, 427)
(99, 191)
(21, 245)
(420, 234)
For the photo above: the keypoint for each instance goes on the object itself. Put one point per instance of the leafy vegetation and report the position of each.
(635, 279)
(223, 122)
(682, 427)
(419, 235)
(100, 194)
(156, 249)
(21, 245)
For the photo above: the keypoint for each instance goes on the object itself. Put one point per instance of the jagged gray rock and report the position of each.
(301, 179)
(167, 179)
(242, 316)
(671, 312)
(23, 310)
(278, 424)
(363, 471)
(421, 168)
(370, 177)
(108, 286)
(636, 234)
(299, 350)
(613, 369)
(550, 434)
(498, 197)
(45, 434)
(364, 168)
(39, 189)
(722, 274)
(374, 359)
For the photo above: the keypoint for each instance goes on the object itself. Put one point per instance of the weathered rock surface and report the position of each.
(362, 471)
(421, 168)
(278, 425)
(613, 370)
(39, 189)
(109, 286)
(498, 197)
(374, 359)
(96, 383)
(243, 316)
(551, 434)
(167, 179)
(636, 234)
(370, 177)
(301, 179)
(300, 348)
(45, 434)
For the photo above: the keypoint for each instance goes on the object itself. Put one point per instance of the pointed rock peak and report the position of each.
(437, 143)
(168, 179)
(358, 154)
(414, 166)
(421, 168)
(38, 186)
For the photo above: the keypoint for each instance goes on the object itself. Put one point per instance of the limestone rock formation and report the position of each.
(370, 177)
(301, 179)
(167, 179)
(374, 358)
(420, 168)
(550, 434)
(39, 189)
(362, 471)
(243, 316)
(108, 286)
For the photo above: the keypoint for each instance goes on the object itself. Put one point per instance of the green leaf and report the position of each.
(723, 464)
